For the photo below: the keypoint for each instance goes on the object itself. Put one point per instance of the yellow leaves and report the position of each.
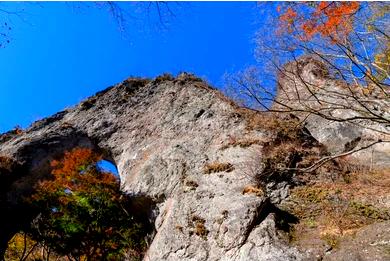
(16, 248)
(383, 59)
(382, 64)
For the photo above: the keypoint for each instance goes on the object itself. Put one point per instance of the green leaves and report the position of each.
(83, 213)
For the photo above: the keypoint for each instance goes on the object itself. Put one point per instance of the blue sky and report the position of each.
(60, 54)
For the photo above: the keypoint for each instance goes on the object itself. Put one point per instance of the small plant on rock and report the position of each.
(218, 167)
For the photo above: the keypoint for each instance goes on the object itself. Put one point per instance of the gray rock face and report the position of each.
(160, 134)
(351, 117)
(372, 243)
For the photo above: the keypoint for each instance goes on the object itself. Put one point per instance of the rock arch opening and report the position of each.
(32, 164)
(109, 166)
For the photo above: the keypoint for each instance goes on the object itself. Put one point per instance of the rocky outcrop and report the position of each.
(341, 116)
(182, 145)
(371, 243)
(160, 134)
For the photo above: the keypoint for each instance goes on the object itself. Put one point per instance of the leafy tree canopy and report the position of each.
(82, 212)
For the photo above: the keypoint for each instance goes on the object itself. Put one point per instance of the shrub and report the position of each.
(22, 247)
(369, 211)
(288, 153)
(164, 77)
(17, 130)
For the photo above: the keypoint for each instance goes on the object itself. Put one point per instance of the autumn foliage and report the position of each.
(330, 20)
(83, 214)
(77, 171)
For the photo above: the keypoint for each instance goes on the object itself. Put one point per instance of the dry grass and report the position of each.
(253, 189)
(191, 184)
(243, 143)
(217, 167)
(198, 225)
(200, 229)
(164, 77)
(329, 210)
(282, 125)
(136, 82)
(6, 163)
(17, 130)
(179, 227)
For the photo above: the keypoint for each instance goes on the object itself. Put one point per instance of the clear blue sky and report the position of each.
(59, 54)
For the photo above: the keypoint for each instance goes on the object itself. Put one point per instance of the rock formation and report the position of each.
(160, 134)
(173, 141)
(350, 116)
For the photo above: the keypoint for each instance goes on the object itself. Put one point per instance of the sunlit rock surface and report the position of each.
(161, 134)
(351, 116)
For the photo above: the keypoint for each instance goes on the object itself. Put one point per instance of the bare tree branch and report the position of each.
(324, 160)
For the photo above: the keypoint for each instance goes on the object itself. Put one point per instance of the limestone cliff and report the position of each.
(164, 136)
(160, 134)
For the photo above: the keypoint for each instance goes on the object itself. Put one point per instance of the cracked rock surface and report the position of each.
(171, 140)
(160, 134)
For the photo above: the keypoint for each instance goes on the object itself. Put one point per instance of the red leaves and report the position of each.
(288, 18)
(77, 171)
(331, 20)
(73, 161)
(289, 15)
(83, 211)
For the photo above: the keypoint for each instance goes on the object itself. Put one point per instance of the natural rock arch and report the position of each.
(161, 134)
(23, 167)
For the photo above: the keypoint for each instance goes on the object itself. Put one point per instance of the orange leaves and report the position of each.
(74, 161)
(83, 211)
(76, 172)
(331, 20)
(309, 27)
(323, 5)
(288, 18)
(334, 19)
